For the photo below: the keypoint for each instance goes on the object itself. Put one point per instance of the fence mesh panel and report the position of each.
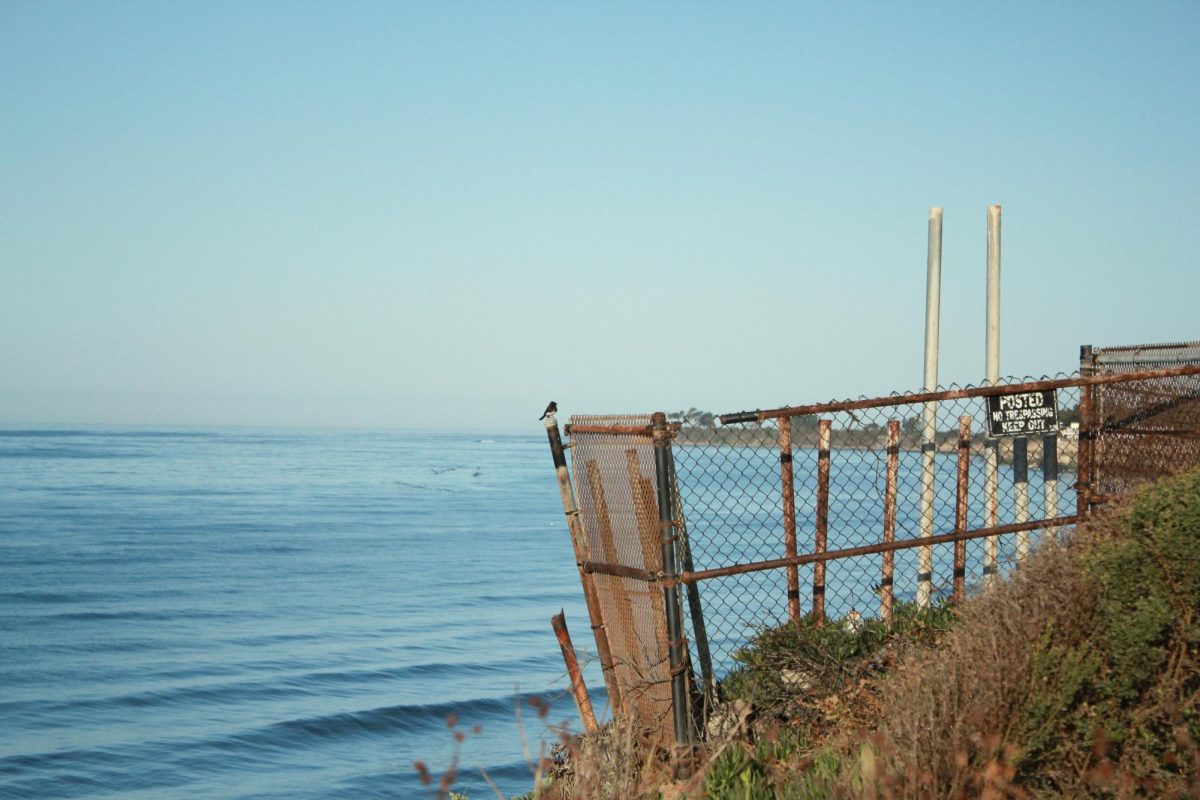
(1145, 427)
(614, 477)
(730, 490)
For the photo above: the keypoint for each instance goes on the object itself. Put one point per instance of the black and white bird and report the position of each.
(550, 409)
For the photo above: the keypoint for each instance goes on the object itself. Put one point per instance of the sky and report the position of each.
(442, 215)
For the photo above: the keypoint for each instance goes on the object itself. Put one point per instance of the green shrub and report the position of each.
(1118, 693)
(803, 657)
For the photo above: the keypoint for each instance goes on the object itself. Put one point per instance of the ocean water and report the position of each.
(233, 613)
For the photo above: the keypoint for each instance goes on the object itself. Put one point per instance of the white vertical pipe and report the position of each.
(993, 295)
(992, 373)
(933, 304)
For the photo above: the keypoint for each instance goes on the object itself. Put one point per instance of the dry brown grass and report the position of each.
(620, 761)
(1019, 699)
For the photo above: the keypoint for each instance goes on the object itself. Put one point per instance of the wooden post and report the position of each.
(582, 701)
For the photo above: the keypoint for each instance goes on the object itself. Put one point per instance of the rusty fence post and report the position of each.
(889, 520)
(579, 544)
(578, 688)
(824, 430)
(680, 703)
(991, 480)
(1085, 468)
(960, 507)
(695, 610)
(788, 486)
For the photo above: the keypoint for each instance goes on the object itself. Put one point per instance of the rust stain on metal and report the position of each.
(889, 520)
(612, 430)
(645, 508)
(824, 430)
(620, 570)
(633, 652)
(1084, 477)
(788, 488)
(962, 485)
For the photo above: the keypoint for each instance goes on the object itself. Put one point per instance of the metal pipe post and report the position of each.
(1085, 453)
(824, 428)
(992, 374)
(933, 302)
(1050, 478)
(787, 481)
(680, 705)
(992, 356)
(961, 500)
(579, 544)
(886, 591)
(1021, 490)
(695, 610)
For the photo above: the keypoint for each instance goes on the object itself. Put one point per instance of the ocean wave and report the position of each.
(66, 713)
(398, 719)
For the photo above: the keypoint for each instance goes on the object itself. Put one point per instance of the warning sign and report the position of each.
(1023, 414)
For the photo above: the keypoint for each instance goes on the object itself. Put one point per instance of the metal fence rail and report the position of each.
(842, 509)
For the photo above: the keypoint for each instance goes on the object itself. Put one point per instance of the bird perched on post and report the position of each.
(550, 409)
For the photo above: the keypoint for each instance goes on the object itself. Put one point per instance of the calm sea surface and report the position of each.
(236, 613)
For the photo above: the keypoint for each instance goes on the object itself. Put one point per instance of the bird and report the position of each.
(550, 409)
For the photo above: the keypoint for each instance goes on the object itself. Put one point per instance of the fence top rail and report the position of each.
(955, 394)
(617, 430)
(1138, 348)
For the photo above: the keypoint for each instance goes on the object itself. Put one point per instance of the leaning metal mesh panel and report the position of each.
(615, 483)
(730, 488)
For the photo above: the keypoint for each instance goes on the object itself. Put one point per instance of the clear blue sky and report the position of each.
(443, 215)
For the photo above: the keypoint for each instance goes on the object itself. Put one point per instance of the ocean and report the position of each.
(238, 613)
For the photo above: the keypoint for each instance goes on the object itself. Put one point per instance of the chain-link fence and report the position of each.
(1143, 425)
(715, 528)
(859, 475)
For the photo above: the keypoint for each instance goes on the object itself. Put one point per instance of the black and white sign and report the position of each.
(1023, 414)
